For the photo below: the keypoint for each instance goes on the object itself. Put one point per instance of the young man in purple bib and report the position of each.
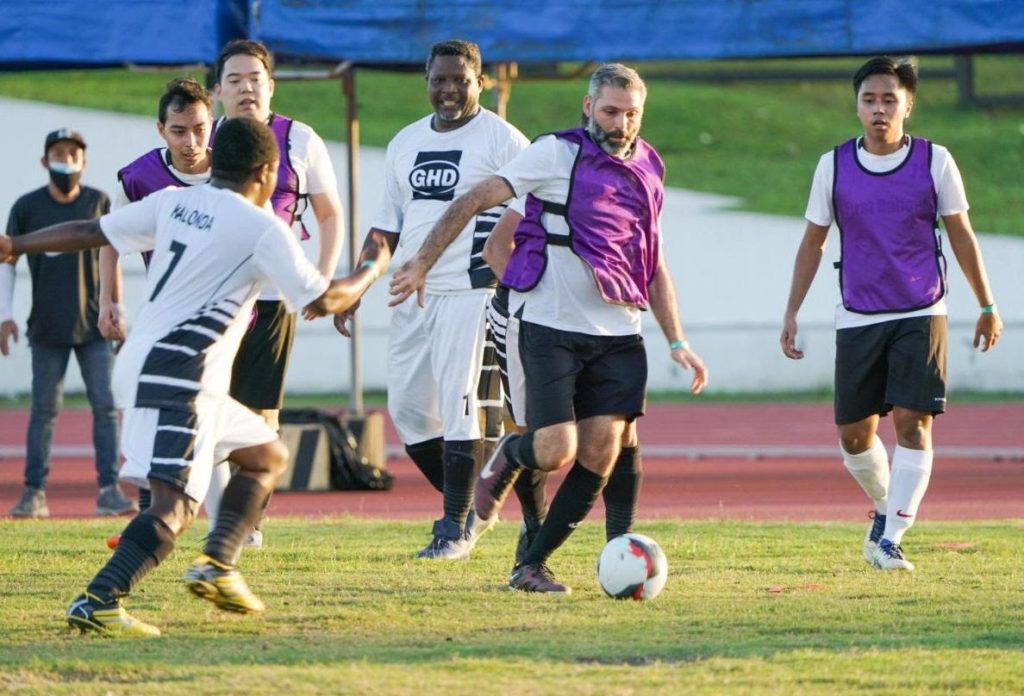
(886, 191)
(587, 261)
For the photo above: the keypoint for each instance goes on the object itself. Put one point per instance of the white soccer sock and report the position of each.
(870, 469)
(219, 478)
(911, 470)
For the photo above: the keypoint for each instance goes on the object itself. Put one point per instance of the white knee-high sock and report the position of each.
(870, 469)
(219, 478)
(911, 471)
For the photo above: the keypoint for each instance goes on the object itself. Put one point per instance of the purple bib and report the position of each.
(286, 196)
(890, 255)
(144, 176)
(612, 212)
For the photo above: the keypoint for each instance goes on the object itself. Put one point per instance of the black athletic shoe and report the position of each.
(536, 577)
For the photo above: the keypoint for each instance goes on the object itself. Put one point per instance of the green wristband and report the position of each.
(989, 309)
(677, 345)
(369, 263)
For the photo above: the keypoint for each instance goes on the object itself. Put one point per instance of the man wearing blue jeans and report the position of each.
(65, 302)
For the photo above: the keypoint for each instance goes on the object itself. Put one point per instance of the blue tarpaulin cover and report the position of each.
(111, 32)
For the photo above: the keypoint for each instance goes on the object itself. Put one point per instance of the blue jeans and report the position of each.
(49, 364)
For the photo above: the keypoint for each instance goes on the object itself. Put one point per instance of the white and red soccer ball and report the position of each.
(632, 566)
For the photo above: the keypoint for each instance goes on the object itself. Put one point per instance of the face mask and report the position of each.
(65, 176)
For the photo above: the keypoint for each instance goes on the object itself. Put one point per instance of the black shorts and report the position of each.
(893, 363)
(257, 376)
(573, 376)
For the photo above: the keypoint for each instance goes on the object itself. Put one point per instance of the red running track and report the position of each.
(798, 488)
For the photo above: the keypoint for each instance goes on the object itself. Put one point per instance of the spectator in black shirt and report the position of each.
(65, 303)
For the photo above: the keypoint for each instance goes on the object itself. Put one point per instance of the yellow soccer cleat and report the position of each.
(88, 613)
(223, 585)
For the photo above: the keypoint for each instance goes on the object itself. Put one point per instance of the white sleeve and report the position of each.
(819, 203)
(281, 263)
(389, 212)
(949, 186)
(514, 142)
(532, 167)
(133, 227)
(120, 197)
(320, 176)
(6, 291)
(518, 205)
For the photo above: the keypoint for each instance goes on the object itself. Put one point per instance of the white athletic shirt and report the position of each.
(121, 198)
(949, 189)
(567, 296)
(213, 250)
(425, 170)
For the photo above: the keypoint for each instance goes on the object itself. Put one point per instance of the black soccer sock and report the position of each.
(239, 511)
(530, 489)
(519, 448)
(622, 492)
(461, 461)
(263, 511)
(145, 542)
(575, 498)
(145, 499)
(428, 457)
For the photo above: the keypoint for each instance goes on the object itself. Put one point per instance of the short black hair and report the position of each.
(243, 146)
(247, 47)
(457, 47)
(905, 72)
(179, 94)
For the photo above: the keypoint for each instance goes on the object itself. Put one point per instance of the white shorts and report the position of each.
(435, 354)
(181, 448)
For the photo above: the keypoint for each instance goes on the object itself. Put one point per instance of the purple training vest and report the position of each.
(891, 256)
(612, 212)
(144, 176)
(286, 196)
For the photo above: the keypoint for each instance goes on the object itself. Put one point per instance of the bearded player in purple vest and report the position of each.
(583, 269)
(885, 191)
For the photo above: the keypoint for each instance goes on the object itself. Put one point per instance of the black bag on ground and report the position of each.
(351, 469)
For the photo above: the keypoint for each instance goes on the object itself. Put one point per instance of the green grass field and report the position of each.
(759, 141)
(749, 608)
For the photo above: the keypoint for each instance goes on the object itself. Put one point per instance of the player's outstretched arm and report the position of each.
(66, 236)
(664, 306)
(965, 247)
(808, 258)
(411, 276)
(378, 248)
(341, 294)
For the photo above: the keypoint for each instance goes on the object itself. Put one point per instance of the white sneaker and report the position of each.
(254, 540)
(476, 528)
(889, 556)
(871, 538)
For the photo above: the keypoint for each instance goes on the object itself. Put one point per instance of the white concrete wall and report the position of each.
(732, 272)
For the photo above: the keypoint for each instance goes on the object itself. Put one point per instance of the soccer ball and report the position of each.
(632, 566)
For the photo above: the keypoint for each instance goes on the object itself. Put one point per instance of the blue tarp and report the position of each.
(37, 33)
(63, 33)
(401, 31)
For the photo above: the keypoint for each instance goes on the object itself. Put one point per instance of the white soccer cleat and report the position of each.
(874, 534)
(889, 556)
